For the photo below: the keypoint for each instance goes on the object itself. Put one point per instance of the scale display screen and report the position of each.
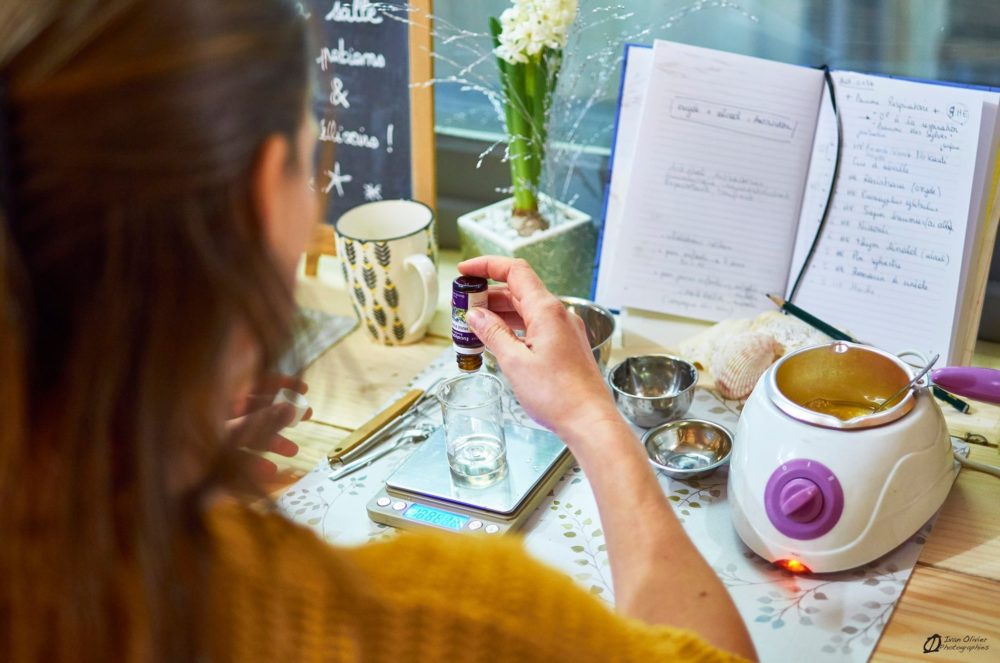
(432, 516)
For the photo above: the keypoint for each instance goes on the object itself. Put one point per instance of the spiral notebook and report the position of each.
(721, 169)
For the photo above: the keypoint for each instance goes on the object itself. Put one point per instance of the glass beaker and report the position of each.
(473, 422)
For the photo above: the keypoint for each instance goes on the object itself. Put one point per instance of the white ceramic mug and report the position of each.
(388, 252)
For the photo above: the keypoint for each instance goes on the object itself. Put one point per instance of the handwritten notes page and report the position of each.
(717, 183)
(889, 265)
(635, 80)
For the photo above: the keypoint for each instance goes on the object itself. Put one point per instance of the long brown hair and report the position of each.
(130, 254)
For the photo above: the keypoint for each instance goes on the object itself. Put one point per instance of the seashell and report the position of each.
(790, 332)
(700, 348)
(740, 361)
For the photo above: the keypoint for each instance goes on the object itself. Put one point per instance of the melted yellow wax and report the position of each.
(843, 410)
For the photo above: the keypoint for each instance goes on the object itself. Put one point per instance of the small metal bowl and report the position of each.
(652, 389)
(597, 320)
(688, 448)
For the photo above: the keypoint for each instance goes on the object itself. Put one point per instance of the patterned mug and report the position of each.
(388, 253)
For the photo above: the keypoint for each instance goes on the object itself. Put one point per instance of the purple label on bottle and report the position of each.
(461, 302)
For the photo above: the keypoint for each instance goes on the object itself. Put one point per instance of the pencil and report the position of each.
(838, 335)
(810, 319)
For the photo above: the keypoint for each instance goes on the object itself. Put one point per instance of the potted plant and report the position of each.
(557, 240)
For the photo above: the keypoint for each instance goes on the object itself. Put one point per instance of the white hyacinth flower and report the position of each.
(530, 26)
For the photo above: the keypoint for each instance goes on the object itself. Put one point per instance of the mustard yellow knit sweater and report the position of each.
(279, 593)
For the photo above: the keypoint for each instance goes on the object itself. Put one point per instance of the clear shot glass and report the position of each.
(473, 424)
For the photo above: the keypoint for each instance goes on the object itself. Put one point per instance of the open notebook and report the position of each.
(721, 169)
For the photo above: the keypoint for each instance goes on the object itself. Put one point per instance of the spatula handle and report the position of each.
(981, 384)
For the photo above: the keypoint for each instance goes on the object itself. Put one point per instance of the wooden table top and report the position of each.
(955, 589)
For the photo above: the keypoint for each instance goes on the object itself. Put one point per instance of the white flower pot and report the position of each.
(562, 255)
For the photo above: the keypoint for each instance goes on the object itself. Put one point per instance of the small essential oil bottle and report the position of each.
(467, 292)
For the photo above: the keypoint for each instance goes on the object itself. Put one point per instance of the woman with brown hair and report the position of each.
(154, 161)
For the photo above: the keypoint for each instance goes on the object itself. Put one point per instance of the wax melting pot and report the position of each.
(819, 480)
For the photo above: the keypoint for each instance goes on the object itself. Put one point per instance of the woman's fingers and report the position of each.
(501, 299)
(527, 294)
(516, 273)
(283, 446)
(264, 392)
(514, 321)
(272, 382)
(255, 430)
(494, 333)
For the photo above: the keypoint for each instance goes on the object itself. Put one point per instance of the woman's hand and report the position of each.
(552, 369)
(256, 422)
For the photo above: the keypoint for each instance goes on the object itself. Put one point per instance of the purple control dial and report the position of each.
(803, 499)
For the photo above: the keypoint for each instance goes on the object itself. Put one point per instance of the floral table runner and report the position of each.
(836, 617)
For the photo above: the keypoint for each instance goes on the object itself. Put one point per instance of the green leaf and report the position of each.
(682, 491)
(595, 590)
(763, 618)
(569, 535)
(695, 505)
(576, 549)
(673, 498)
(819, 596)
(777, 623)
(850, 630)
(597, 533)
(581, 562)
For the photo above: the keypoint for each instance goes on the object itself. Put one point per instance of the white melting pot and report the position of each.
(817, 481)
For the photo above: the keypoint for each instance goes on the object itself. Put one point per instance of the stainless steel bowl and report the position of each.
(652, 389)
(600, 325)
(688, 448)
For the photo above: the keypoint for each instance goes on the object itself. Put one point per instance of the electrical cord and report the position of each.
(978, 467)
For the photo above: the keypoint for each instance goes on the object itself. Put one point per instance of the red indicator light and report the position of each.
(793, 565)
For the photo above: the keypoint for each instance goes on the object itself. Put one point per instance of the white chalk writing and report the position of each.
(348, 57)
(357, 11)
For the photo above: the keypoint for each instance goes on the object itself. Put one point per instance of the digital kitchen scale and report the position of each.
(422, 492)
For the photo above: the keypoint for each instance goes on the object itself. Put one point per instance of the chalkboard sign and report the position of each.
(376, 129)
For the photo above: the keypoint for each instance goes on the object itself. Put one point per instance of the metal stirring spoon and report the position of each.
(908, 385)
(415, 434)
